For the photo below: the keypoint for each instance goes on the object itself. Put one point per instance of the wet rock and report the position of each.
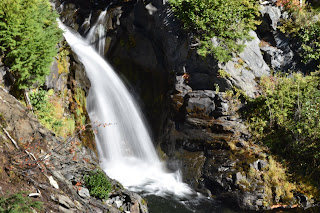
(191, 164)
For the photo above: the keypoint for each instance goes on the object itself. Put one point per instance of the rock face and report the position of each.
(280, 52)
(245, 69)
(203, 140)
(275, 46)
(139, 50)
(52, 166)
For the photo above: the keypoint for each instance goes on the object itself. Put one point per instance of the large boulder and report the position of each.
(245, 69)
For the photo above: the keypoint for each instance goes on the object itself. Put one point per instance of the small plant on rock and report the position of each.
(98, 184)
(50, 112)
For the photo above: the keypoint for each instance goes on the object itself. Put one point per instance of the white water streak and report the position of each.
(125, 147)
(97, 33)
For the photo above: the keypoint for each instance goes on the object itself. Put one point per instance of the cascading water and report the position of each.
(97, 33)
(125, 147)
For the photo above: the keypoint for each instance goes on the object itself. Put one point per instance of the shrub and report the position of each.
(290, 5)
(227, 21)
(287, 119)
(98, 184)
(28, 38)
(18, 203)
(49, 109)
(303, 26)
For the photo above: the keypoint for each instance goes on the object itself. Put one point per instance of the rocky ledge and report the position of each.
(50, 168)
(210, 143)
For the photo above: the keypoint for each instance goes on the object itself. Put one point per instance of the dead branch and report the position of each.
(12, 140)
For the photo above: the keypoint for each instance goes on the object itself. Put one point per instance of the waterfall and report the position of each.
(125, 147)
(97, 33)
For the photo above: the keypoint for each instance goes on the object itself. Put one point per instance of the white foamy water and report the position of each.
(125, 147)
(97, 33)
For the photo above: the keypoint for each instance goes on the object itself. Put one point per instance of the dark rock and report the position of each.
(77, 72)
(303, 200)
(240, 144)
(271, 16)
(200, 102)
(6, 78)
(279, 51)
(191, 165)
(273, 56)
(55, 80)
(259, 164)
(238, 177)
(248, 201)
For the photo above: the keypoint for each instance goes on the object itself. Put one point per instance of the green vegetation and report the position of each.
(28, 38)
(50, 111)
(79, 106)
(19, 203)
(227, 21)
(303, 26)
(275, 175)
(63, 59)
(98, 184)
(286, 117)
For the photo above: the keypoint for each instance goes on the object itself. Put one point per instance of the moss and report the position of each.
(198, 112)
(49, 108)
(237, 66)
(63, 60)
(143, 202)
(79, 111)
(244, 185)
(177, 101)
(223, 74)
(278, 187)
(232, 146)
(253, 173)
